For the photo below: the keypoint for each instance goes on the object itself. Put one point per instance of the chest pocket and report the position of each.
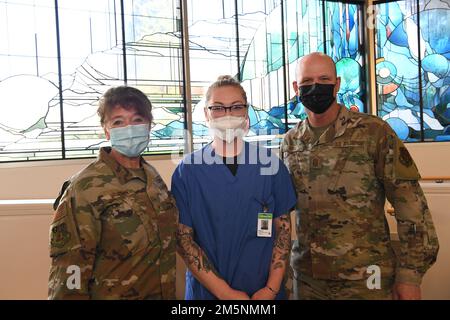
(125, 223)
(295, 158)
(353, 175)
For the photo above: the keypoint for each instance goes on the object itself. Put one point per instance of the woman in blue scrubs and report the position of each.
(234, 200)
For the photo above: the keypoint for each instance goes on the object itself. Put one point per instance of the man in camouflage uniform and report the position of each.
(344, 164)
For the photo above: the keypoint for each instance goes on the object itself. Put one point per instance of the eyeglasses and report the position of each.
(235, 110)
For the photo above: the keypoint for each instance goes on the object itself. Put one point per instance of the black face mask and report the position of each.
(317, 97)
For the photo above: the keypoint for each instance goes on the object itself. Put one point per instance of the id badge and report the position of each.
(264, 224)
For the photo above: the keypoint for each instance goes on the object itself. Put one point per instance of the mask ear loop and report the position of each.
(337, 93)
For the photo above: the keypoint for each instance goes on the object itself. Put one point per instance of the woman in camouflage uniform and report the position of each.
(113, 233)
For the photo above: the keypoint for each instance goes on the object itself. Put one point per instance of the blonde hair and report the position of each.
(225, 81)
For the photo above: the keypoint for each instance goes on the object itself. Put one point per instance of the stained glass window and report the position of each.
(262, 68)
(30, 113)
(154, 65)
(247, 39)
(212, 52)
(345, 45)
(54, 69)
(308, 26)
(93, 41)
(91, 62)
(413, 68)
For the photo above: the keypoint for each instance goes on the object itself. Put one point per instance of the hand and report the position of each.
(264, 294)
(404, 291)
(232, 294)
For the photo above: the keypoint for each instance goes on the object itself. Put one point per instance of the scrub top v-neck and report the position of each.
(232, 164)
(223, 209)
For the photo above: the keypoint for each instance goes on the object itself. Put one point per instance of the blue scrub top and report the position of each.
(222, 209)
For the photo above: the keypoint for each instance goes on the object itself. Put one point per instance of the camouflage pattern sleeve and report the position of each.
(73, 239)
(418, 240)
(167, 221)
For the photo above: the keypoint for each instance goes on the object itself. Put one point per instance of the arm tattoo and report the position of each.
(282, 243)
(194, 257)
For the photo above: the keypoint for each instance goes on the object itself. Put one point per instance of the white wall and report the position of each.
(436, 283)
(24, 260)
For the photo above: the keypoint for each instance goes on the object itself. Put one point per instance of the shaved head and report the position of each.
(316, 59)
(316, 67)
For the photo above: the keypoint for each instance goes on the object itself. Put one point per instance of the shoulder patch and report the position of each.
(60, 237)
(63, 231)
(404, 166)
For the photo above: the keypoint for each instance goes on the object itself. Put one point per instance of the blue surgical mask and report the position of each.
(131, 140)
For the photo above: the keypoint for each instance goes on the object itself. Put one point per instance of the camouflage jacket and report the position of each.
(342, 181)
(118, 227)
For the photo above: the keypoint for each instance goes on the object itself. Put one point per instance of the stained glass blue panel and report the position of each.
(262, 71)
(305, 29)
(408, 60)
(435, 32)
(344, 45)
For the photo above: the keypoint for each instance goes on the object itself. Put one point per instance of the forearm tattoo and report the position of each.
(191, 253)
(282, 243)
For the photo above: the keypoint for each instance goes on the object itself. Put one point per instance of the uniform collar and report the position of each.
(335, 130)
(123, 174)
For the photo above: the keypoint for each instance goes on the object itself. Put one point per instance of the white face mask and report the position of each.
(227, 128)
